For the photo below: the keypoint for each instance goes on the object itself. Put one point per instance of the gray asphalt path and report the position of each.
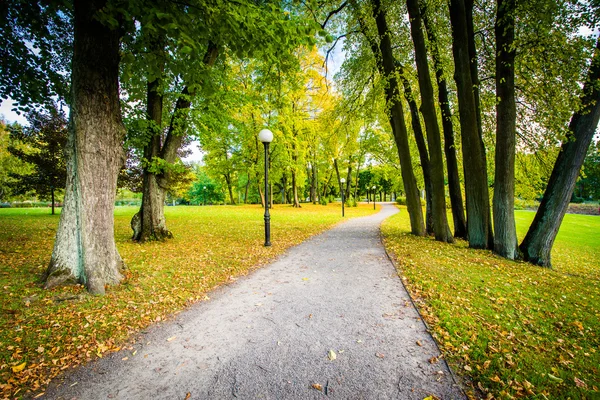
(273, 334)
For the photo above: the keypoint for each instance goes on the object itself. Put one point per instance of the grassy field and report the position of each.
(43, 332)
(510, 329)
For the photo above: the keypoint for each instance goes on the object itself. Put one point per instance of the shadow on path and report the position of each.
(269, 335)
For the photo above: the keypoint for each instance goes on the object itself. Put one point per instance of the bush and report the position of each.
(401, 201)
(351, 202)
(323, 201)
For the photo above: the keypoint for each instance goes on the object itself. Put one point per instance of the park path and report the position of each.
(269, 335)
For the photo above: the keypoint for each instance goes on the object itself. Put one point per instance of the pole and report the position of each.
(267, 216)
(342, 199)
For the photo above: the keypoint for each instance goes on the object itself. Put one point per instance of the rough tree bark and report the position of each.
(149, 223)
(505, 238)
(537, 245)
(436, 164)
(386, 65)
(84, 250)
(476, 189)
(456, 200)
(422, 147)
(348, 180)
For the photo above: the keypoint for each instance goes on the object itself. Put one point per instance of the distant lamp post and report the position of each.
(343, 181)
(204, 195)
(374, 199)
(266, 137)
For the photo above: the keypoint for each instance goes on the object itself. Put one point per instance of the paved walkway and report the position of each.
(270, 335)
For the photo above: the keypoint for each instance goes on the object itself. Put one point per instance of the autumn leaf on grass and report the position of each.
(332, 356)
(19, 368)
(317, 386)
(555, 378)
(580, 383)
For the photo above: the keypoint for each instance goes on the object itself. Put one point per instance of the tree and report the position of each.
(436, 165)
(505, 238)
(387, 68)
(45, 138)
(537, 244)
(456, 200)
(85, 250)
(478, 207)
(10, 166)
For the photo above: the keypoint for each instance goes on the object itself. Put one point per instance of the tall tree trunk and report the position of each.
(84, 250)
(474, 68)
(52, 190)
(348, 180)
(456, 201)
(386, 64)
(436, 165)
(313, 190)
(149, 223)
(337, 172)
(262, 195)
(537, 245)
(423, 153)
(505, 238)
(229, 188)
(246, 189)
(356, 180)
(326, 185)
(296, 202)
(478, 203)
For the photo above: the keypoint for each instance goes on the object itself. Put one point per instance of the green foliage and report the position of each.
(45, 140)
(10, 166)
(512, 328)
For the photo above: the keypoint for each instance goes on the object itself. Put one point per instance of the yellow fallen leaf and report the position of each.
(317, 386)
(332, 356)
(171, 338)
(19, 368)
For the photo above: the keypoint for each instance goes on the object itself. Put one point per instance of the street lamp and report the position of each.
(266, 137)
(343, 181)
(374, 198)
(204, 193)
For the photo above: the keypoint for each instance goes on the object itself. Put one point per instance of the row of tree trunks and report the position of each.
(387, 68)
(436, 166)
(505, 231)
(537, 245)
(456, 200)
(476, 188)
(85, 251)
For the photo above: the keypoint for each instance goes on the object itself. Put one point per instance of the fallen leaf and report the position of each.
(317, 386)
(580, 383)
(332, 356)
(467, 368)
(419, 343)
(486, 364)
(379, 355)
(555, 378)
(171, 338)
(19, 368)
(187, 395)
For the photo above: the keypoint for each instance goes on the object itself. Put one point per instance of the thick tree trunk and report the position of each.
(505, 238)
(262, 195)
(436, 165)
(386, 65)
(478, 203)
(456, 201)
(229, 188)
(84, 250)
(423, 153)
(537, 245)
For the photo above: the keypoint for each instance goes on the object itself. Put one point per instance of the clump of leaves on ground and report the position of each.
(44, 332)
(510, 329)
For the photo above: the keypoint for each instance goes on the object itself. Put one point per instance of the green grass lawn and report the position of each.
(510, 329)
(43, 332)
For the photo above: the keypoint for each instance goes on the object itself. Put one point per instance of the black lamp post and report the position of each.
(266, 137)
(374, 199)
(343, 181)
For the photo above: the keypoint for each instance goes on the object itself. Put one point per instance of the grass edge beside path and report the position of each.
(509, 329)
(44, 332)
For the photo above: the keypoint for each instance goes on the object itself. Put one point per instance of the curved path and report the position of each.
(270, 334)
